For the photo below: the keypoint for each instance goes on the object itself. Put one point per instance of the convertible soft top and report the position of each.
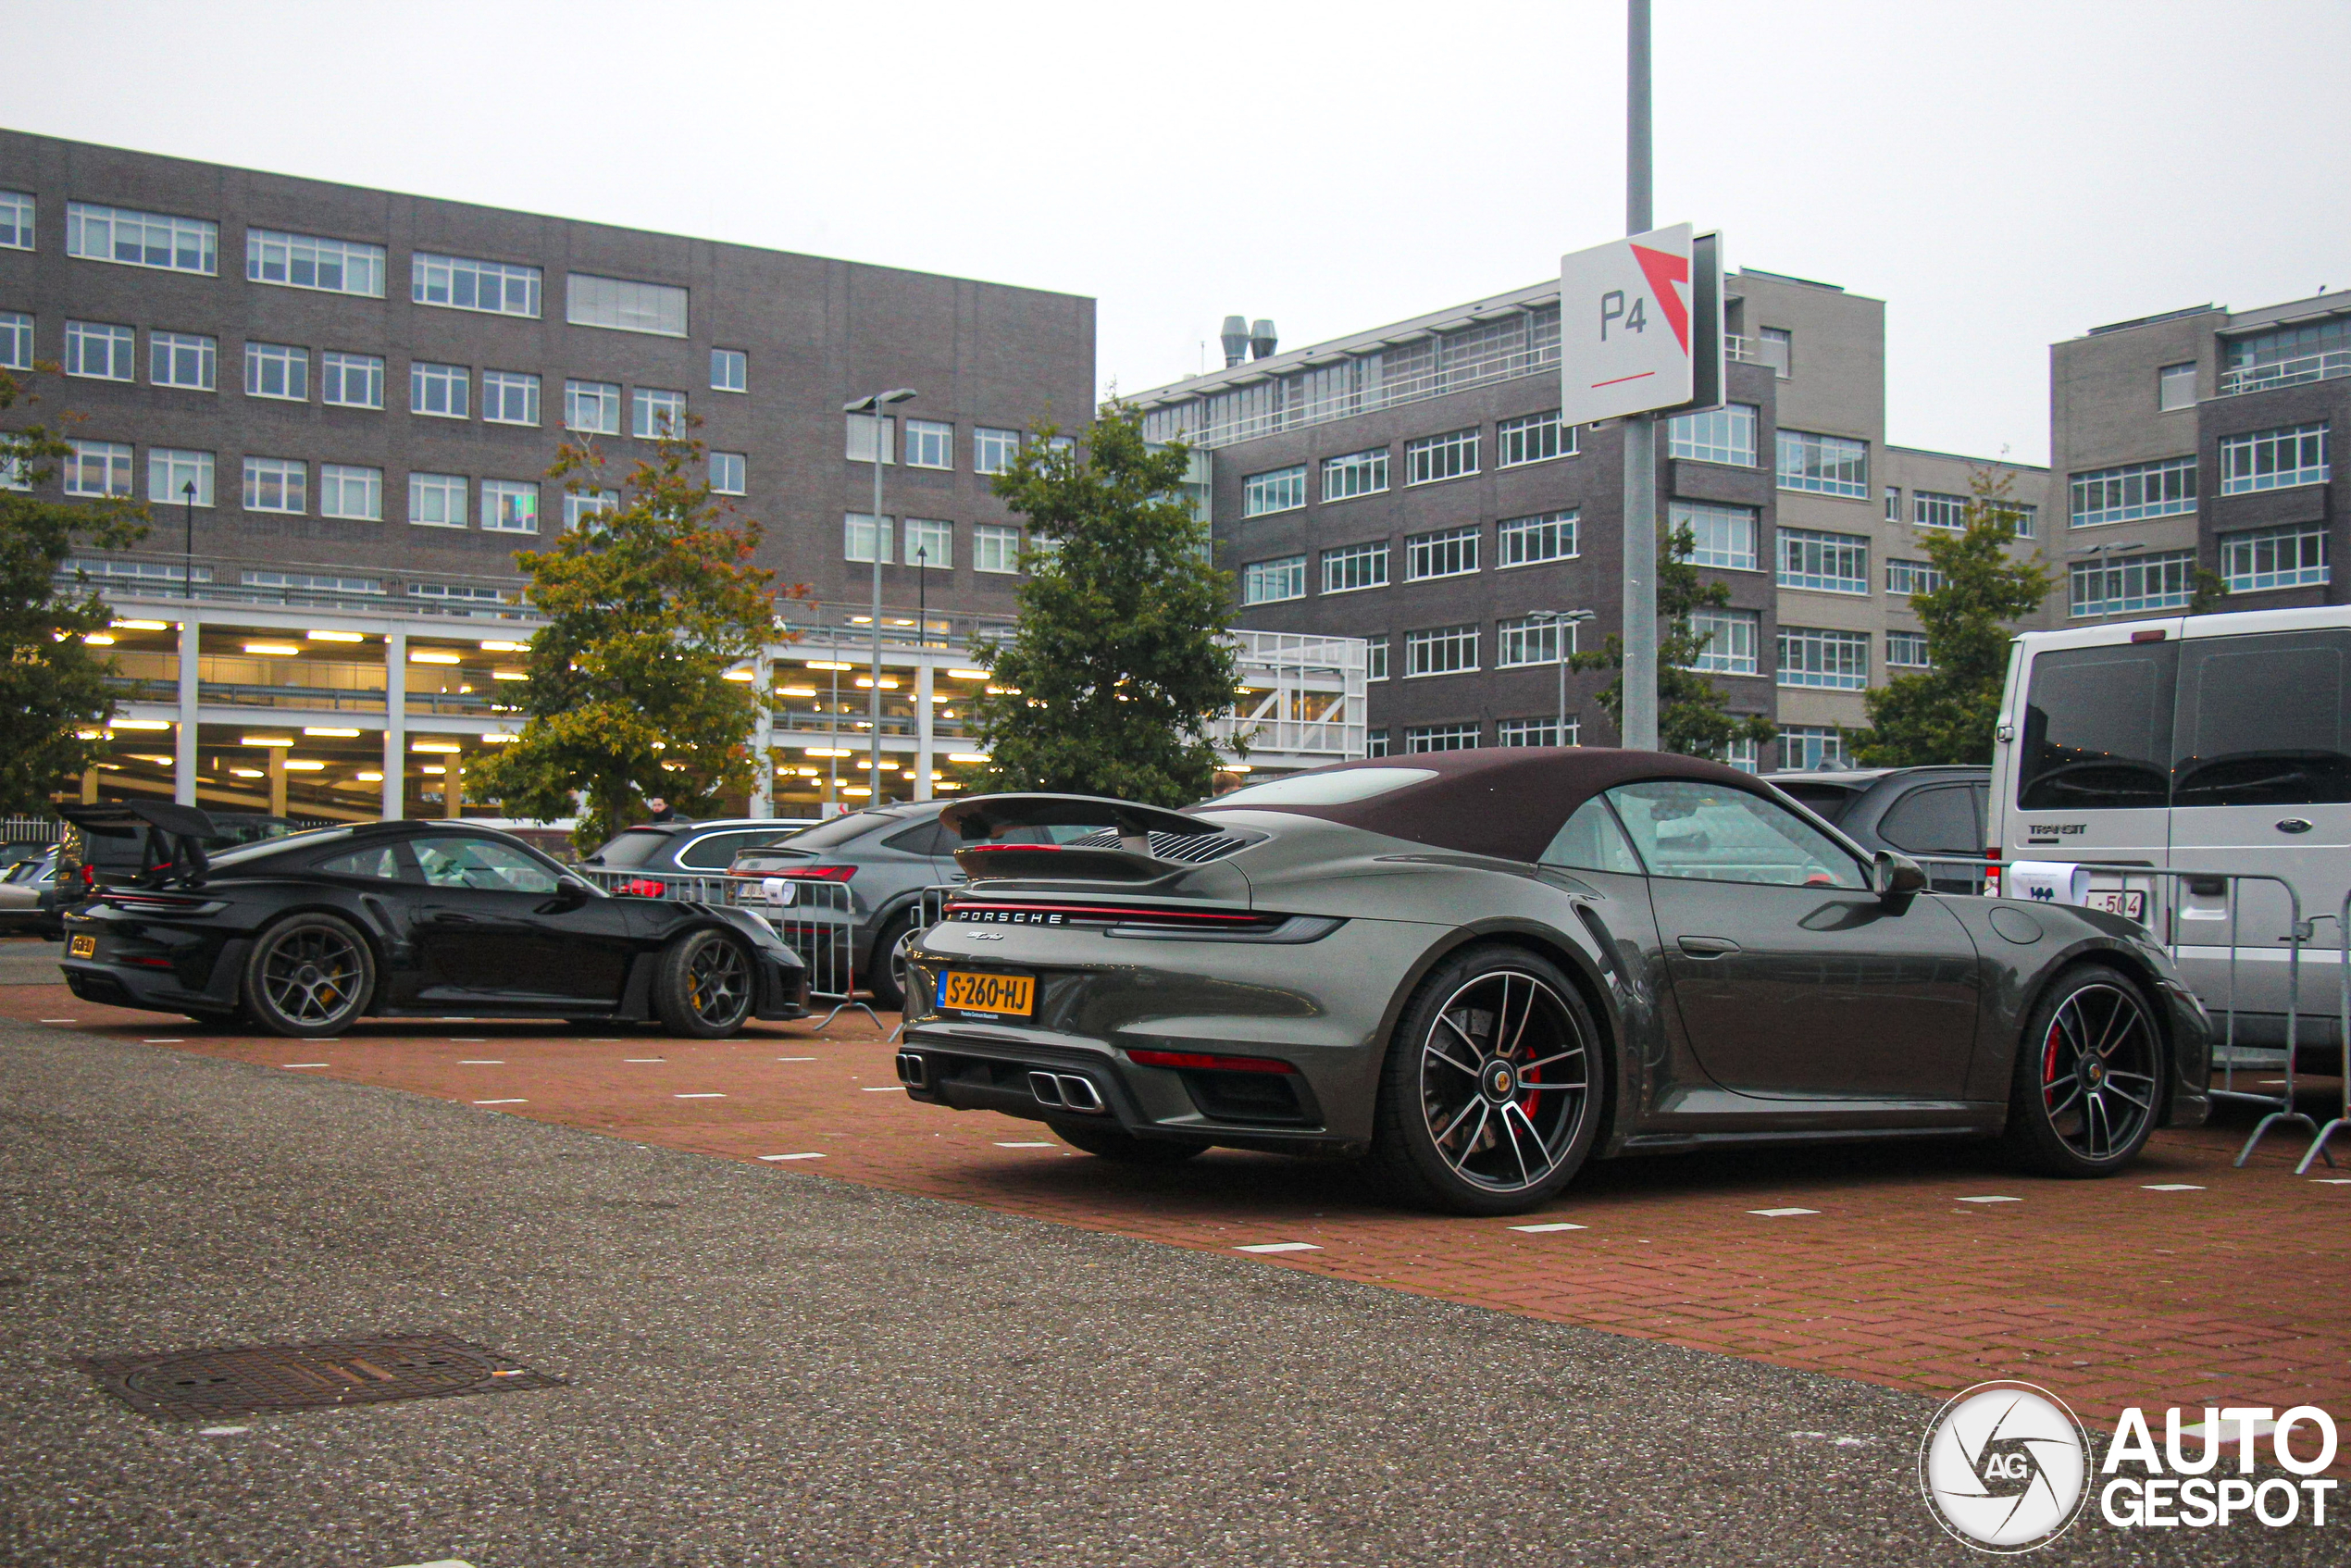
(1509, 801)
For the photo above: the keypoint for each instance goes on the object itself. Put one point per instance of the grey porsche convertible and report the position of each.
(1477, 970)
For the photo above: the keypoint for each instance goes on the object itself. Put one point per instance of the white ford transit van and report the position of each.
(2216, 742)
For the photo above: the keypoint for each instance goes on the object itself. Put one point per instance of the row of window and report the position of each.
(929, 542)
(96, 232)
(1824, 465)
(930, 443)
(1531, 438)
(2256, 460)
(104, 469)
(1455, 551)
(1467, 735)
(1808, 656)
(2258, 559)
(1940, 509)
(190, 362)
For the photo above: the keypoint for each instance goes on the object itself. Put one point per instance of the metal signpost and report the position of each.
(1640, 333)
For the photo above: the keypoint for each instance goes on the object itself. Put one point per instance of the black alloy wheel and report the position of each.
(888, 981)
(1489, 1097)
(308, 977)
(703, 987)
(2088, 1074)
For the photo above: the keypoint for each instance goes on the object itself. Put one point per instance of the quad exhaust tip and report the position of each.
(912, 1071)
(1068, 1091)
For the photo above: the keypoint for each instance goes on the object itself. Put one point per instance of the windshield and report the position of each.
(1320, 789)
(629, 848)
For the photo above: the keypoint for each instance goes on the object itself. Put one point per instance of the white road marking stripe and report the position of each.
(2169, 1186)
(1024, 1146)
(167, 1040)
(480, 1061)
(886, 1089)
(1280, 1246)
(1545, 1229)
(306, 1064)
(1782, 1214)
(1989, 1197)
(791, 1156)
(706, 1094)
(502, 1101)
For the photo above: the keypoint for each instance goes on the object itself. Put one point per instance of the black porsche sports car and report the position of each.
(1480, 970)
(301, 935)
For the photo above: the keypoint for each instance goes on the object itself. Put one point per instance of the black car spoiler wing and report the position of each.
(181, 829)
(983, 822)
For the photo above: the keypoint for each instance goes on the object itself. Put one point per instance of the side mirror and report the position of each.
(570, 893)
(1895, 877)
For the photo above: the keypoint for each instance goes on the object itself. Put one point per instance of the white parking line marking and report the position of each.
(169, 1040)
(61, 1020)
(791, 1156)
(1024, 1146)
(1782, 1214)
(2169, 1186)
(1280, 1246)
(1547, 1229)
(1993, 1198)
(884, 1088)
(480, 1061)
(796, 1058)
(306, 1064)
(220, 1431)
(468, 1040)
(706, 1094)
(502, 1101)
(645, 1059)
(2332, 1181)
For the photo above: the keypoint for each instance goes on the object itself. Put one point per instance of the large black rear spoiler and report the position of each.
(1001, 837)
(179, 831)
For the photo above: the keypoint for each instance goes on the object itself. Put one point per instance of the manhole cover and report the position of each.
(198, 1384)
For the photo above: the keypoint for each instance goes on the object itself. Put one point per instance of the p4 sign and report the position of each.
(1641, 325)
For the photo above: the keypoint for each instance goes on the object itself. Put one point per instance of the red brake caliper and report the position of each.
(2048, 1060)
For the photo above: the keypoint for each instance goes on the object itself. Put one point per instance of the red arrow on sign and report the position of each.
(1663, 270)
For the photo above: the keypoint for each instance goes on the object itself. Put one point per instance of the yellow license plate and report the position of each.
(1013, 996)
(84, 947)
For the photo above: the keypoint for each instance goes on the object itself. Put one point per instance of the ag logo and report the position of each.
(2005, 1467)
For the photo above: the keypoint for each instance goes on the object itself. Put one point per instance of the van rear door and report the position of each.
(2091, 763)
(2261, 782)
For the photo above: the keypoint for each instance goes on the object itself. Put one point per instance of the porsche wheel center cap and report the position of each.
(1499, 1080)
(2092, 1072)
(307, 975)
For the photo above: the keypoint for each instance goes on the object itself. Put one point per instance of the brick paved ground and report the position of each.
(2110, 1293)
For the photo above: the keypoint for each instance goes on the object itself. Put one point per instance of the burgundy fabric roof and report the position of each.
(1509, 801)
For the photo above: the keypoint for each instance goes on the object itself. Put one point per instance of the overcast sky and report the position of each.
(2004, 175)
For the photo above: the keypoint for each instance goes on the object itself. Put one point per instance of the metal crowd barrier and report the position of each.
(2167, 908)
(2342, 1120)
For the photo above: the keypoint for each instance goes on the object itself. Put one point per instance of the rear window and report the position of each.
(272, 844)
(629, 848)
(712, 851)
(840, 829)
(2263, 721)
(1940, 820)
(1335, 789)
(2098, 728)
(1826, 800)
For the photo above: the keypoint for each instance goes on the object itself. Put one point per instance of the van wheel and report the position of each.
(2089, 1069)
(308, 977)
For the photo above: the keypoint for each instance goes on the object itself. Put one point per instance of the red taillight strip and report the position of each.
(1114, 912)
(811, 873)
(1202, 1062)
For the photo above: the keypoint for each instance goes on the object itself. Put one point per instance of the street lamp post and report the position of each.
(2100, 553)
(878, 406)
(187, 556)
(1566, 621)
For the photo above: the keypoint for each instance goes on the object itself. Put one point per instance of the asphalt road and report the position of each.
(29, 961)
(766, 1367)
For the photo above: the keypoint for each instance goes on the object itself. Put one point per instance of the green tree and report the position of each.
(1946, 714)
(1118, 663)
(648, 604)
(1691, 718)
(2211, 591)
(53, 689)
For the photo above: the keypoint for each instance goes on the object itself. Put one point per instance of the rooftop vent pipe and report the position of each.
(1235, 340)
(1262, 340)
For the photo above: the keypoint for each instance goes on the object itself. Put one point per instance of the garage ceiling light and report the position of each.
(336, 636)
(265, 740)
(498, 647)
(273, 650)
(143, 723)
(329, 732)
(304, 764)
(430, 656)
(143, 625)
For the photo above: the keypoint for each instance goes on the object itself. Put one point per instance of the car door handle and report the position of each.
(1708, 947)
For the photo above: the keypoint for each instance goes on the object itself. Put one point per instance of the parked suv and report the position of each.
(1920, 812)
(688, 846)
(886, 856)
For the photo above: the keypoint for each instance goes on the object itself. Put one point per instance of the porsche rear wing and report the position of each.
(176, 833)
(1081, 837)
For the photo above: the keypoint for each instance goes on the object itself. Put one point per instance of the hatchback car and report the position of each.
(886, 856)
(21, 888)
(1920, 812)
